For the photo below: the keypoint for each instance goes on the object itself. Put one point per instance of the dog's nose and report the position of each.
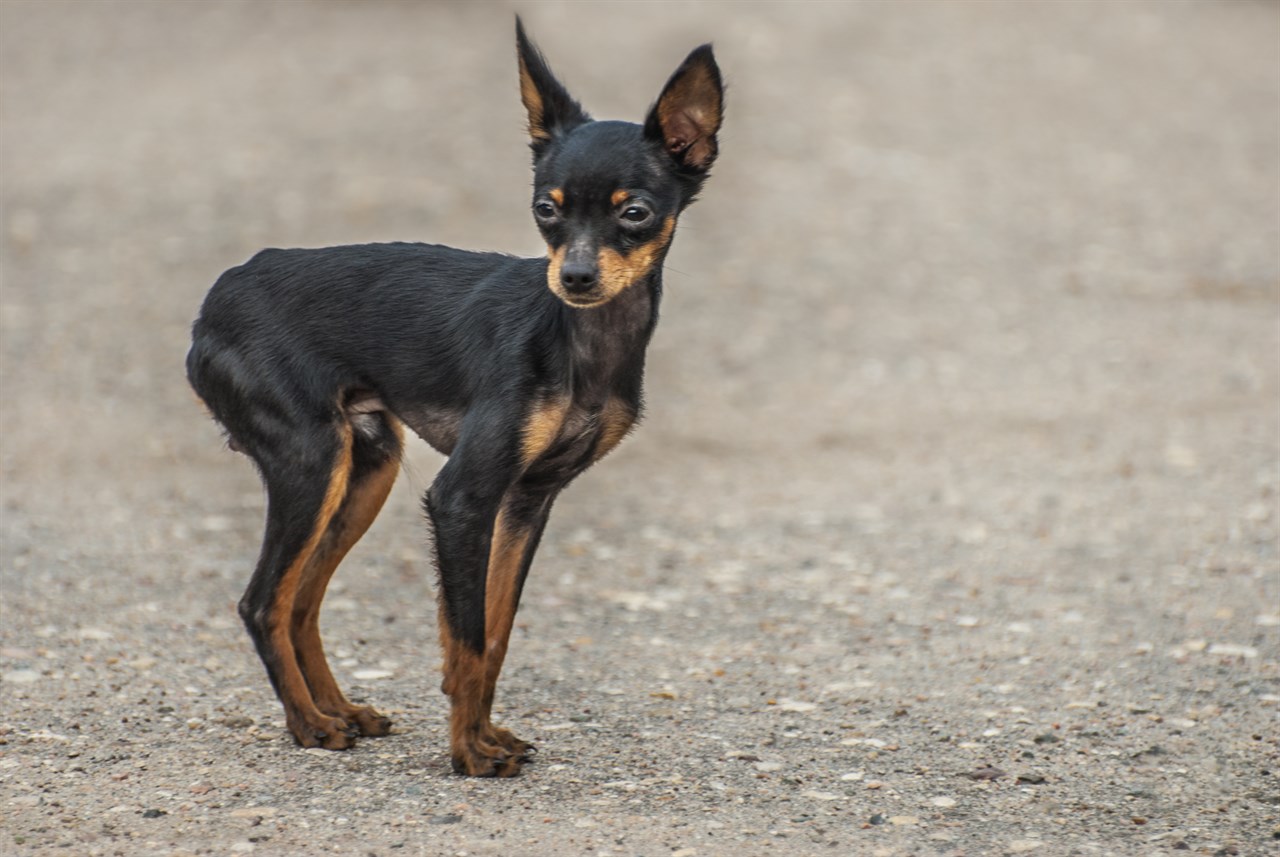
(578, 277)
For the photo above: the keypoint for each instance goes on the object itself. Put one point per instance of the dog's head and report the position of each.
(606, 195)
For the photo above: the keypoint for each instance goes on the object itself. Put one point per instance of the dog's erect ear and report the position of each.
(551, 109)
(687, 115)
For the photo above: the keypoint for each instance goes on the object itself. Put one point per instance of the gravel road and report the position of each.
(952, 529)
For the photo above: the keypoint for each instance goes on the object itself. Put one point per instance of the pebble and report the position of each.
(1031, 779)
(20, 676)
(1022, 846)
(254, 812)
(822, 795)
(903, 820)
(943, 802)
(767, 767)
(1233, 650)
(794, 705)
(987, 773)
(371, 675)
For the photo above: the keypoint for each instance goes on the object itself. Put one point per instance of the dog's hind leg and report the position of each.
(306, 472)
(375, 456)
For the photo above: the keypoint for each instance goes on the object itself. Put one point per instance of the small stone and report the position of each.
(822, 795)
(685, 852)
(794, 705)
(1047, 738)
(444, 819)
(1031, 779)
(1233, 650)
(371, 675)
(874, 784)
(254, 812)
(153, 813)
(987, 773)
(768, 767)
(876, 819)
(903, 820)
(236, 721)
(1022, 846)
(20, 676)
(943, 802)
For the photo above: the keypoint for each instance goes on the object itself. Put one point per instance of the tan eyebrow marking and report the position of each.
(619, 197)
(557, 195)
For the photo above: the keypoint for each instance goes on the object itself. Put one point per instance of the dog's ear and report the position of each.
(688, 113)
(551, 109)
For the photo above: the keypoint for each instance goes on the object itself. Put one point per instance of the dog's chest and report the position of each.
(564, 438)
(557, 435)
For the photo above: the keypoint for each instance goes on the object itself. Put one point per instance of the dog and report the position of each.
(524, 372)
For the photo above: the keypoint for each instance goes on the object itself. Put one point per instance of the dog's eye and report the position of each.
(545, 210)
(635, 214)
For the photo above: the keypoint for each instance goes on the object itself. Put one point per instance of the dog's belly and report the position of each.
(437, 426)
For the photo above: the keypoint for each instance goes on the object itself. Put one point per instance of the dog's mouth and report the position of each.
(584, 301)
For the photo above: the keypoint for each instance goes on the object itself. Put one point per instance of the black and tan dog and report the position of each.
(524, 372)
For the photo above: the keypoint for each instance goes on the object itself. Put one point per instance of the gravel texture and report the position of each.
(952, 529)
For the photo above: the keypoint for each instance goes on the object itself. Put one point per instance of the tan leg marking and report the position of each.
(363, 502)
(473, 750)
(307, 723)
(506, 559)
(541, 428)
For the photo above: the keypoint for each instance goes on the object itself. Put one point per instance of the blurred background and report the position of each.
(974, 330)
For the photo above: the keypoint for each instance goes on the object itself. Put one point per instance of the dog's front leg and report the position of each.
(463, 505)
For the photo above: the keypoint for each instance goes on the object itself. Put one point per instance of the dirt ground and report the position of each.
(952, 529)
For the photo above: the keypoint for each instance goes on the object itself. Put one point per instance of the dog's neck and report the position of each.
(607, 342)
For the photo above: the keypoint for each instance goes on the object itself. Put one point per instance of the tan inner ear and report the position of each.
(689, 113)
(533, 104)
